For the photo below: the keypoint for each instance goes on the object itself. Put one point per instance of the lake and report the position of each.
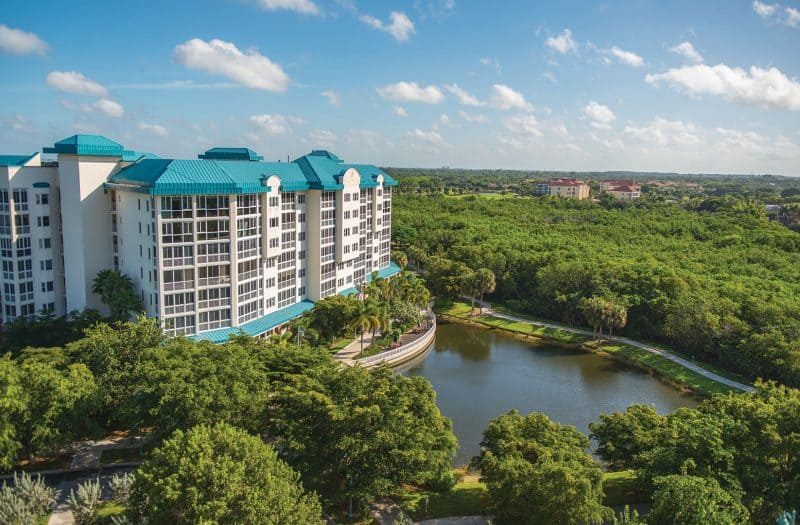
(479, 374)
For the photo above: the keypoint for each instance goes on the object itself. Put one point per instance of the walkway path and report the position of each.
(487, 308)
(87, 455)
(350, 353)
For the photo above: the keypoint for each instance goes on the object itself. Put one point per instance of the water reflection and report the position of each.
(479, 374)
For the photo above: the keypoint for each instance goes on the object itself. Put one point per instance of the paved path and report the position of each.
(87, 455)
(487, 308)
(350, 353)
(462, 520)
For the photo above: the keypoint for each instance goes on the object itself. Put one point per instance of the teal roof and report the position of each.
(15, 160)
(349, 292)
(230, 154)
(389, 271)
(257, 326)
(90, 145)
(205, 176)
(135, 156)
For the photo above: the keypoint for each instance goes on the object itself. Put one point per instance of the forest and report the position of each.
(712, 278)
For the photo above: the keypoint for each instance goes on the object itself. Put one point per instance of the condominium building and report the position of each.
(621, 189)
(214, 245)
(569, 188)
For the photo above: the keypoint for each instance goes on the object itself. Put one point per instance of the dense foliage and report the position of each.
(538, 471)
(716, 280)
(220, 474)
(747, 444)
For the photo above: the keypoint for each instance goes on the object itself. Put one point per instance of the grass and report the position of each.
(108, 509)
(621, 488)
(340, 343)
(120, 455)
(632, 355)
(467, 498)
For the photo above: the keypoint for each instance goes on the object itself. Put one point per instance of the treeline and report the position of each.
(714, 279)
(351, 434)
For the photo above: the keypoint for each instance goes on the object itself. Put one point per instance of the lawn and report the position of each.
(467, 498)
(113, 456)
(621, 488)
(107, 510)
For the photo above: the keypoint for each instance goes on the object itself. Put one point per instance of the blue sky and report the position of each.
(709, 86)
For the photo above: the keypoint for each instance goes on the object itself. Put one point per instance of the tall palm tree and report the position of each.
(366, 316)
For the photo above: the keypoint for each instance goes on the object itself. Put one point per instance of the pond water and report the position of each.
(479, 374)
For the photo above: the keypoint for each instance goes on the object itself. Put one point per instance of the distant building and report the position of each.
(569, 188)
(621, 189)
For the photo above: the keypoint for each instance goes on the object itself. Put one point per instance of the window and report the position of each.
(273, 243)
(248, 226)
(179, 325)
(302, 236)
(176, 207)
(179, 303)
(213, 252)
(214, 297)
(213, 229)
(178, 279)
(23, 246)
(301, 198)
(249, 311)
(302, 217)
(45, 243)
(273, 222)
(273, 201)
(247, 204)
(271, 282)
(20, 200)
(22, 224)
(42, 198)
(212, 206)
(176, 232)
(47, 286)
(215, 319)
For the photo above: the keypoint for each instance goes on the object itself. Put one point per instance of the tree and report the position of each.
(186, 383)
(332, 316)
(356, 434)
(220, 474)
(112, 354)
(537, 471)
(365, 317)
(57, 399)
(400, 258)
(623, 436)
(691, 500)
(12, 407)
(601, 311)
(116, 290)
(485, 281)
(25, 501)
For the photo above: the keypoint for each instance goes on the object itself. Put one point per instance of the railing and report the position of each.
(406, 351)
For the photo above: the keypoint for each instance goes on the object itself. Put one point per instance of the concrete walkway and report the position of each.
(350, 353)
(87, 455)
(462, 520)
(487, 308)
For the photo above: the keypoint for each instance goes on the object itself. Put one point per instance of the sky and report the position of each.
(646, 85)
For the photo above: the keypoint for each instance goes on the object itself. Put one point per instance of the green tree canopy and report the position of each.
(220, 474)
(361, 434)
(690, 500)
(538, 471)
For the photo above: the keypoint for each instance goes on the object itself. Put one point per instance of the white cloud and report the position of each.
(549, 75)
(322, 137)
(250, 68)
(493, 63)
(274, 124)
(600, 115)
(792, 17)
(626, 57)
(332, 96)
(562, 43)
(400, 111)
(108, 107)
(18, 42)
(473, 117)
(444, 120)
(401, 27)
(19, 123)
(306, 7)
(687, 50)
(525, 125)
(411, 92)
(431, 137)
(463, 97)
(74, 82)
(768, 88)
(662, 132)
(503, 97)
(155, 129)
(764, 10)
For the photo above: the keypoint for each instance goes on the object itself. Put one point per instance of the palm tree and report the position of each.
(116, 290)
(485, 281)
(281, 340)
(365, 317)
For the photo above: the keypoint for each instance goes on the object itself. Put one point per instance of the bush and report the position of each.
(26, 500)
(84, 502)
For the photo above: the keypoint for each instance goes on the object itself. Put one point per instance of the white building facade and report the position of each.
(215, 245)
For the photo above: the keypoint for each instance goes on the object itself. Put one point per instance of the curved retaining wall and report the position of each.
(404, 353)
